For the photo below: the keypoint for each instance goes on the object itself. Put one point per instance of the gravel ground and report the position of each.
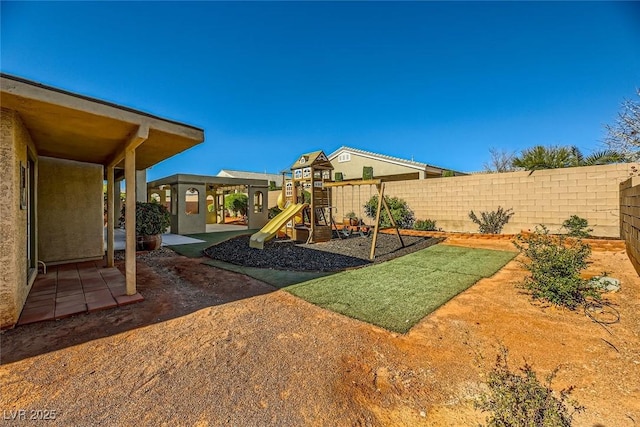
(328, 256)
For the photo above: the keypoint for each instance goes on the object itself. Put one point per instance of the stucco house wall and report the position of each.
(70, 213)
(352, 169)
(14, 284)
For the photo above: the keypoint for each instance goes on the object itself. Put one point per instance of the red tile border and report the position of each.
(71, 289)
(36, 315)
(129, 299)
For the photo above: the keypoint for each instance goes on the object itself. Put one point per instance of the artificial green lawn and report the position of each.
(397, 294)
(194, 250)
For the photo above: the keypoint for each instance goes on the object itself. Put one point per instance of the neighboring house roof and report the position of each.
(383, 157)
(251, 175)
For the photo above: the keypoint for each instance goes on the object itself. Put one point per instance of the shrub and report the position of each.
(448, 174)
(577, 227)
(274, 211)
(338, 176)
(151, 218)
(272, 186)
(237, 202)
(492, 222)
(520, 399)
(426, 225)
(306, 196)
(367, 172)
(402, 215)
(555, 265)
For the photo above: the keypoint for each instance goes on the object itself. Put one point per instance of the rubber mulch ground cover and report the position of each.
(334, 255)
(398, 294)
(194, 250)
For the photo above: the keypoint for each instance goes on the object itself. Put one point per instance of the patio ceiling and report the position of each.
(74, 127)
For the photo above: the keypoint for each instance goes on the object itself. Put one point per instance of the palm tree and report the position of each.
(553, 157)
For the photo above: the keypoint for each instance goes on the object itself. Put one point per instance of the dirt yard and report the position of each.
(210, 347)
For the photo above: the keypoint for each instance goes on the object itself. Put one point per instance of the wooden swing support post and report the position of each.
(382, 202)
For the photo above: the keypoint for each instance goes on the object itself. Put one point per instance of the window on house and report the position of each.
(344, 157)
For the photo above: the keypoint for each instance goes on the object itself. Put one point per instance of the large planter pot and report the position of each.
(149, 243)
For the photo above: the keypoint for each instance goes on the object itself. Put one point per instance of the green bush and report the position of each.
(367, 172)
(338, 176)
(402, 215)
(520, 399)
(555, 266)
(237, 202)
(274, 211)
(426, 225)
(306, 195)
(448, 174)
(492, 222)
(151, 218)
(577, 227)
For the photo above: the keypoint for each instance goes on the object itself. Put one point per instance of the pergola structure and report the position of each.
(192, 216)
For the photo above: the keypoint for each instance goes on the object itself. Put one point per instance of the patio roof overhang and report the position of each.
(75, 127)
(69, 126)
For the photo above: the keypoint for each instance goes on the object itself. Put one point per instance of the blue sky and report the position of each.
(267, 81)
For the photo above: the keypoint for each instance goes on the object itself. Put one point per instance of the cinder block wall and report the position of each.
(540, 197)
(630, 218)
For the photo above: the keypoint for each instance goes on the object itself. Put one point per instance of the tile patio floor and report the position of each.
(70, 289)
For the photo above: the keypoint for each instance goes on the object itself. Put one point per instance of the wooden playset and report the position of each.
(306, 204)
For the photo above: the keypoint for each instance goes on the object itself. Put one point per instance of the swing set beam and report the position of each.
(381, 203)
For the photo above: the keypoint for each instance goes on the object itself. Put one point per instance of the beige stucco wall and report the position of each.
(273, 198)
(630, 218)
(181, 222)
(70, 210)
(353, 168)
(547, 196)
(14, 285)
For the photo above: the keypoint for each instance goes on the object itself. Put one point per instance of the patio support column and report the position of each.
(110, 215)
(128, 154)
(130, 219)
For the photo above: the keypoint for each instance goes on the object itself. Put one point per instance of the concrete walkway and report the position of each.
(168, 239)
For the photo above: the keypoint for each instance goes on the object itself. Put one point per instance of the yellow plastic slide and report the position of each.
(269, 231)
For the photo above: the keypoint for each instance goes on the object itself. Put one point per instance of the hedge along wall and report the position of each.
(539, 197)
(630, 219)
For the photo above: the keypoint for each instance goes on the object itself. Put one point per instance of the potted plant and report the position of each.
(152, 219)
(351, 219)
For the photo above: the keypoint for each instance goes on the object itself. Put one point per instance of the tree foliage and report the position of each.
(624, 135)
(237, 202)
(554, 157)
(501, 161)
